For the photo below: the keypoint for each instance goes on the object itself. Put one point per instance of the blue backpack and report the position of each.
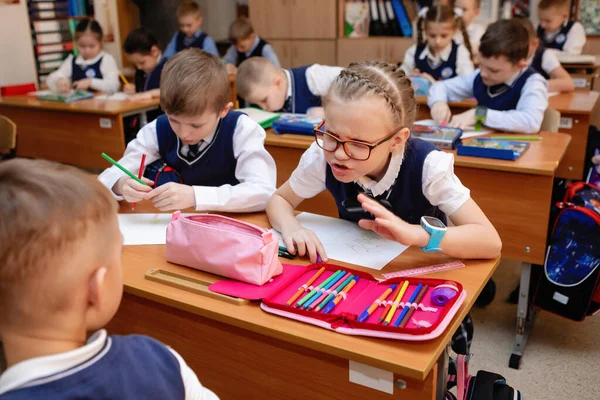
(570, 284)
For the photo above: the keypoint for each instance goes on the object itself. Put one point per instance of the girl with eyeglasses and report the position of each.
(399, 187)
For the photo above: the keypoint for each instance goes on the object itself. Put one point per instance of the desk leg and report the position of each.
(525, 316)
(442, 375)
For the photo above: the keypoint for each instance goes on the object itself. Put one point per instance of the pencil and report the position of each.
(406, 307)
(140, 174)
(123, 78)
(310, 281)
(369, 310)
(317, 289)
(337, 289)
(394, 306)
(340, 296)
(387, 308)
(412, 309)
(122, 168)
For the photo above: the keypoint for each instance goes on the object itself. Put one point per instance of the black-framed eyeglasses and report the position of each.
(355, 149)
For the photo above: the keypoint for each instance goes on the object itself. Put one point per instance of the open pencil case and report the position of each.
(427, 321)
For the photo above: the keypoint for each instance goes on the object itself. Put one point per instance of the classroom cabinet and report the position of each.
(383, 49)
(295, 53)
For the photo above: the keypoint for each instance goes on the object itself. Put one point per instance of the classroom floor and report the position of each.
(562, 357)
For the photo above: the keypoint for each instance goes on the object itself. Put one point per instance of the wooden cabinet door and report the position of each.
(306, 52)
(352, 50)
(283, 49)
(396, 48)
(271, 18)
(313, 19)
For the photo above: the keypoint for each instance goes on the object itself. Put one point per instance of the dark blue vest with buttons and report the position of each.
(536, 63)
(145, 82)
(558, 41)
(197, 43)
(406, 198)
(133, 367)
(302, 98)
(445, 70)
(505, 99)
(91, 71)
(214, 166)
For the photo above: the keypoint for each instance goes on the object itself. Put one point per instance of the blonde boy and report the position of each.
(556, 31)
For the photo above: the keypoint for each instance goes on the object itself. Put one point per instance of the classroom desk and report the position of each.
(515, 196)
(72, 133)
(576, 109)
(242, 352)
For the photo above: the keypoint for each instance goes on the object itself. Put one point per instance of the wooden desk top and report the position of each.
(88, 106)
(542, 157)
(411, 359)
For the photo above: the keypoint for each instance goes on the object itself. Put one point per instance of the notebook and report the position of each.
(74, 95)
(493, 148)
(262, 117)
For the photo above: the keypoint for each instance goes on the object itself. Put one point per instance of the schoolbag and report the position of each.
(483, 386)
(570, 284)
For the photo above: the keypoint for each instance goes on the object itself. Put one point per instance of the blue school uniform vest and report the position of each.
(145, 82)
(91, 71)
(558, 41)
(536, 63)
(133, 367)
(214, 166)
(197, 43)
(257, 52)
(405, 198)
(445, 70)
(504, 99)
(302, 98)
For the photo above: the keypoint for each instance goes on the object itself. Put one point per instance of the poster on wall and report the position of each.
(106, 15)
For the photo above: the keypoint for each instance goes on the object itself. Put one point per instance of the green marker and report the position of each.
(515, 138)
(122, 168)
(314, 291)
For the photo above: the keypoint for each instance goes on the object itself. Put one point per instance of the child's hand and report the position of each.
(63, 85)
(231, 69)
(464, 120)
(83, 84)
(132, 190)
(389, 226)
(441, 113)
(129, 88)
(172, 196)
(305, 241)
(144, 96)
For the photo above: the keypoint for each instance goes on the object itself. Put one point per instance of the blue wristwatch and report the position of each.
(436, 230)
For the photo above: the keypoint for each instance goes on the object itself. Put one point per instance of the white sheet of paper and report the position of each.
(114, 96)
(138, 229)
(40, 93)
(371, 377)
(467, 133)
(346, 241)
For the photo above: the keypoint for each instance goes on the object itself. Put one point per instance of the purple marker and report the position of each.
(319, 260)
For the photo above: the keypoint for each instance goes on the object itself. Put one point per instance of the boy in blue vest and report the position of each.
(60, 278)
(189, 16)
(199, 153)
(245, 43)
(556, 31)
(511, 96)
(273, 89)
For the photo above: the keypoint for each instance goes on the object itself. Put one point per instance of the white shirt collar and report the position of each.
(443, 55)
(378, 188)
(289, 79)
(80, 61)
(39, 370)
(159, 57)
(513, 78)
(550, 35)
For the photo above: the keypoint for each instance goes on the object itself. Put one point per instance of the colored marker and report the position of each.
(319, 260)
(340, 296)
(122, 168)
(140, 174)
(302, 290)
(511, 137)
(123, 78)
(412, 298)
(412, 309)
(387, 308)
(337, 289)
(321, 296)
(283, 252)
(316, 290)
(369, 310)
(394, 306)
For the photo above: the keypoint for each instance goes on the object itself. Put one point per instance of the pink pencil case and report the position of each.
(223, 246)
(427, 322)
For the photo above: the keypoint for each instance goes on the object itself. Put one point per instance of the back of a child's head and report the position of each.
(507, 38)
(442, 14)
(560, 4)
(192, 82)
(140, 40)
(49, 213)
(253, 71)
(189, 8)
(527, 24)
(240, 29)
(376, 79)
(89, 26)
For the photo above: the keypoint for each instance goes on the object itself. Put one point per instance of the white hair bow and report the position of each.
(458, 12)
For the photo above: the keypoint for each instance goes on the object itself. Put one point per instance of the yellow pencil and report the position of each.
(123, 78)
(394, 306)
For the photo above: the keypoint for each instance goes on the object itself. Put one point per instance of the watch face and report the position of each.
(480, 112)
(436, 223)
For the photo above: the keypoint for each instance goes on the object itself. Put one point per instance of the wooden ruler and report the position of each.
(187, 283)
(425, 270)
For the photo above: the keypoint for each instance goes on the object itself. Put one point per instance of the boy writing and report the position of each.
(189, 16)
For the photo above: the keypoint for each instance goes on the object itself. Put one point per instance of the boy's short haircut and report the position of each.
(46, 209)
(140, 40)
(253, 71)
(507, 38)
(188, 7)
(527, 25)
(192, 82)
(240, 29)
(547, 4)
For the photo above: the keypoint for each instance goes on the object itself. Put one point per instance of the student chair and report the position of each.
(551, 121)
(8, 138)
